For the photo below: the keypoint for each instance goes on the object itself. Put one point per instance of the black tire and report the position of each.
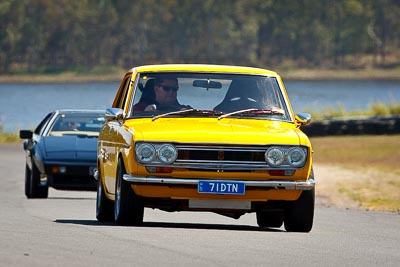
(27, 181)
(33, 189)
(128, 207)
(104, 206)
(299, 216)
(269, 218)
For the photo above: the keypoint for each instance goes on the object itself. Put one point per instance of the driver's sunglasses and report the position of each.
(169, 88)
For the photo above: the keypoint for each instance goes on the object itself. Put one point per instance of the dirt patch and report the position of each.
(356, 189)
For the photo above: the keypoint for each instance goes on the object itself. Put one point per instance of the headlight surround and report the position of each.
(286, 156)
(274, 156)
(155, 153)
(296, 157)
(167, 153)
(145, 153)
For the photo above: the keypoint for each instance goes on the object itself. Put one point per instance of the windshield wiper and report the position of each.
(185, 111)
(172, 113)
(254, 111)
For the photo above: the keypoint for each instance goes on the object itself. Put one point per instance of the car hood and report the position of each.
(212, 130)
(70, 148)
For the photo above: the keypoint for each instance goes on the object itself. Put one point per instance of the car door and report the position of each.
(33, 151)
(110, 139)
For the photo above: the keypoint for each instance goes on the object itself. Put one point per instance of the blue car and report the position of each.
(62, 151)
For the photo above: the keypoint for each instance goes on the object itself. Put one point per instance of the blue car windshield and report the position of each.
(65, 123)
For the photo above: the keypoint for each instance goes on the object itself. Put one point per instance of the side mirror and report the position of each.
(25, 134)
(114, 113)
(303, 118)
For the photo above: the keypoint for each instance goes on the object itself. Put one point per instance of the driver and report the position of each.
(165, 95)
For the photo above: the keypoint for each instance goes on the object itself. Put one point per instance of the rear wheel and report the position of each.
(299, 215)
(33, 189)
(104, 206)
(267, 218)
(128, 207)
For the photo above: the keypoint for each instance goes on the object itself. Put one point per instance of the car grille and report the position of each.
(222, 158)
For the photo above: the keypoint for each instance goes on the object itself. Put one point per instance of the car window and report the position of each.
(122, 97)
(42, 125)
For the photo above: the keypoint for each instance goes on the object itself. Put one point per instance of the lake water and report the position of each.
(22, 106)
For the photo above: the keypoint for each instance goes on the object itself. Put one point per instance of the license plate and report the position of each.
(219, 204)
(221, 187)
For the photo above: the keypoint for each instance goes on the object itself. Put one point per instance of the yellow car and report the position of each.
(192, 137)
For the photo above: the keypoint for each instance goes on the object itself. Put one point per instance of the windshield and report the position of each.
(208, 95)
(82, 124)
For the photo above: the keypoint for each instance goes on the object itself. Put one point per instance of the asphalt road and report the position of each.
(62, 230)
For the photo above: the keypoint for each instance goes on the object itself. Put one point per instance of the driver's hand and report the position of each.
(151, 107)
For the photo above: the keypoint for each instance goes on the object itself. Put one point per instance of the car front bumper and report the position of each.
(270, 184)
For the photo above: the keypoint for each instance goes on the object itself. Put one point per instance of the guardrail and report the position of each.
(354, 126)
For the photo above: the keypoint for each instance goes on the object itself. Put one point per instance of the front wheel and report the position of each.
(269, 218)
(27, 181)
(33, 189)
(299, 215)
(128, 207)
(104, 206)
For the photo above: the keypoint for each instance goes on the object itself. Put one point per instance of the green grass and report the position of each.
(98, 74)
(380, 152)
(376, 109)
(6, 137)
(115, 73)
(370, 198)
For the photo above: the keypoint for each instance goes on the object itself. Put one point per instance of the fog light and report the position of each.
(281, 172)
(164, 169)
(151, 169)
(54, 169)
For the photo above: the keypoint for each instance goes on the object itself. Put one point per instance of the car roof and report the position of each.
(80, 111)
(203, 68)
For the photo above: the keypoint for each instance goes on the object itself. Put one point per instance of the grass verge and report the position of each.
(376, 185)
(116, 73)
(6, 137)
(337, 112)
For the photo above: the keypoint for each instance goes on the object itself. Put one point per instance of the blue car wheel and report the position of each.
(33, 189)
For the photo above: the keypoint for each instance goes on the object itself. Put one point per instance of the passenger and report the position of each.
(242, 94)
(69, 126)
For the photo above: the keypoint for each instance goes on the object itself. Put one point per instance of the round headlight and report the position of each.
(274, 156)
(145, 153)
(297, 157)
(167, 153)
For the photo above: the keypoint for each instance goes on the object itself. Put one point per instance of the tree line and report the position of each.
(48, 35)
